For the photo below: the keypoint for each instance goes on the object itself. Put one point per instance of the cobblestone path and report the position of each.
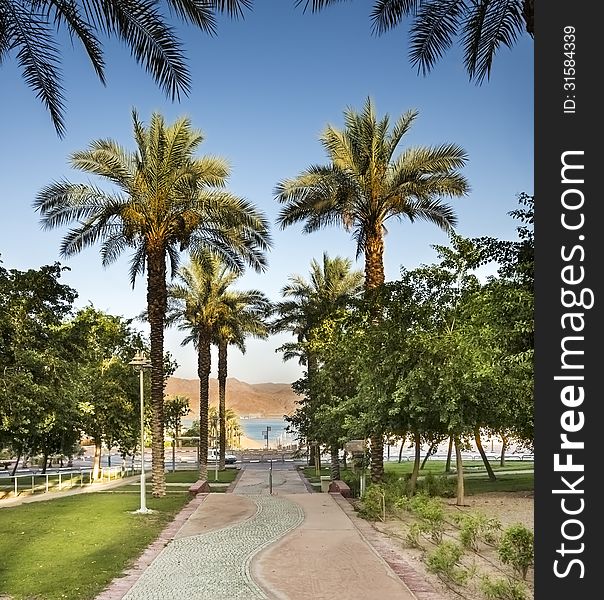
(215, 565)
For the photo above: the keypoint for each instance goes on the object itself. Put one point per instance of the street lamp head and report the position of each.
(139, 361)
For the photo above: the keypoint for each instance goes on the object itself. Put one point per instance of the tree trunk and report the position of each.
(485, 460)
(44, 462)
(417, 442)
(449, 452)
(504, 447)
(460, 482)
(374, 278)
(335, 462)
(431, 449)
(14, 470)
(222, 377)
(204, 364)
(96, 461)
(156, 310)
(400, 451)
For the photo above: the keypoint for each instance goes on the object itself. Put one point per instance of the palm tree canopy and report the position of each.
(163, 200)
(33, 29)
(330, 285)
(365, 184)
(483, 26)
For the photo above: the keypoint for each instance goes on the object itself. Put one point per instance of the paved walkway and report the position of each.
(251, 544)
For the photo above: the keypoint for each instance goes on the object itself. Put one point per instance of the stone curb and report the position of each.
(383, 547)
(118, 588)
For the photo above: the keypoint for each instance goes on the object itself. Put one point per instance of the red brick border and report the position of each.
(118, 588)
(416, 582)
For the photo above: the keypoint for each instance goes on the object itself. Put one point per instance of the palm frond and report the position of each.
(437, 23)
(387, 14)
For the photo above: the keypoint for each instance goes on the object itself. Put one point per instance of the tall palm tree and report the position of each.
(245, 315)
(308, 302)
(483, 26)
(162, 200)
(365, 185)
(197, 304)
(31, 28)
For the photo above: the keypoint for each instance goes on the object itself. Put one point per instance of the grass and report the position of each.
(72, 547)
(476, 480)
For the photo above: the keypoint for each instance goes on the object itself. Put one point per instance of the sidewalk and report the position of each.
(249, 544)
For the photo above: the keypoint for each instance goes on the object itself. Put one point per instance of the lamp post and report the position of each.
(140, 363)
(216, 449)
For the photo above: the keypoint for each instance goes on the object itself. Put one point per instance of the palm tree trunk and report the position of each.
(483, 455)
(335, 462)
(374, 278)
(222, 377)
(204, 364)
(156, 309)
(459, 465)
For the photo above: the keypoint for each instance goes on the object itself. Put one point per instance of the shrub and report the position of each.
(445, 562)
(437, 485)
(372, 502)
(503, 589)
(413, 535)
(516, 548)
(430, 510)
(475, 527)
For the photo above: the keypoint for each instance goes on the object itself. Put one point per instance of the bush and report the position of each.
(503, 589)
(373, 502)
(431, 512)
(475, 527)
(413, 535)
(516, 548)
(437, 485)
(445, 562)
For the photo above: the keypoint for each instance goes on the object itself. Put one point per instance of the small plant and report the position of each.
(516, 548)
(430, 510)
(503, 589)
(475, 527)
(444, 561)
(414, 535)
(373, 502)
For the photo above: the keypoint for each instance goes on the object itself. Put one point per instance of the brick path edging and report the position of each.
(118, 588)
(415, 581)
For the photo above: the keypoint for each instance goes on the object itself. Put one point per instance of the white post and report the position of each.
(143, 508)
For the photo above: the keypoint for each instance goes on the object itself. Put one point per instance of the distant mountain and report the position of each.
(246, 399)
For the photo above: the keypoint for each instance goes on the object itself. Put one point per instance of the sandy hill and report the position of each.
(247, 399)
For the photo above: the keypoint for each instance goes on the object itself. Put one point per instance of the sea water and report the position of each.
(255, 429)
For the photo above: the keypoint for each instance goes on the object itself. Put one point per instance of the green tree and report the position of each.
(482, 26)
(38, 412)
(108, 394)
(33, 30)
(365, 185)
(307, 303)
(163, 200)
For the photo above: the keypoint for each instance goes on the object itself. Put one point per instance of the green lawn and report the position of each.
(72, 547)
(476, 479)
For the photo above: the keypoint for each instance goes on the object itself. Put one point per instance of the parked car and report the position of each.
(213, 456)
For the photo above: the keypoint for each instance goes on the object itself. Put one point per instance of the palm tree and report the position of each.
(246, 313)
(482, 25)
(365, 185)
(163, 200)
(307, 303)
(196, 303)
(30, 28)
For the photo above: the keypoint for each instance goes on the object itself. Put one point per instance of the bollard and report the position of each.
(270, 477)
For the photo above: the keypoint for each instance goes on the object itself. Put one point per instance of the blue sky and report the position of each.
(263, 90)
